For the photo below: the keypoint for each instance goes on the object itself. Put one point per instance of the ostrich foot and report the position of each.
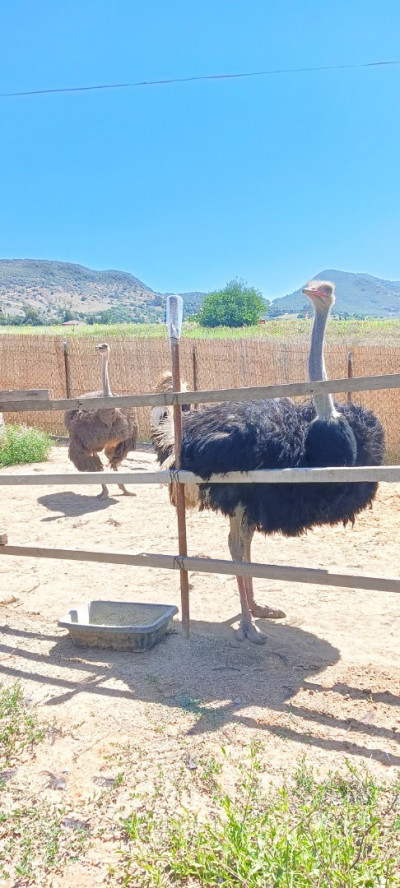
(248, 629)
(126, 492)
(269, 613)
(104, 493)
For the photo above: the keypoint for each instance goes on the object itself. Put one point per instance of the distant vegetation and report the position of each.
(234, 306)
(351, 331)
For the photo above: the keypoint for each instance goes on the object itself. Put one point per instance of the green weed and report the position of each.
(309, 834)
(23, 444)
(34, 840)
(18, 725)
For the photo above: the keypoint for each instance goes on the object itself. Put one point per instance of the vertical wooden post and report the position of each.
(349, 371)
(174, 323)
(67, 365)
(194, 370)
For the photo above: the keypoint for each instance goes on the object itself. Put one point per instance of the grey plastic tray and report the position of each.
(120, 625)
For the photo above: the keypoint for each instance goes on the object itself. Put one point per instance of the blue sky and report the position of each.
(188, 185)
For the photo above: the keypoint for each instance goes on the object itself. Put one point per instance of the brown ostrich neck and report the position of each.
(316, 365)
(107, 393)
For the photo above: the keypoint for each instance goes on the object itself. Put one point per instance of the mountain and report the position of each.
(360, 294)
(52, 287)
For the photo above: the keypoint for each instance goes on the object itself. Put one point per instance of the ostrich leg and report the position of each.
(122, 487)
(115, 462)
(126, 492)
(258, 610)
(247, 628)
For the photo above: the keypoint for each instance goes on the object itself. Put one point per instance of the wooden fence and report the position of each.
(186, 563)
(39, 362)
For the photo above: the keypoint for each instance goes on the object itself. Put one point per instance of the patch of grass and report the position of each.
(23, 444)
(18, 725)
(308, 834)
(36, 840)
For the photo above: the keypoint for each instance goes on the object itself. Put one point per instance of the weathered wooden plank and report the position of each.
(356, 384)
(212, 565)
(389, 474)
(11, 395)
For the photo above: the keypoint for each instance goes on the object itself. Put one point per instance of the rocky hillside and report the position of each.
(359, 294)
(54, 287)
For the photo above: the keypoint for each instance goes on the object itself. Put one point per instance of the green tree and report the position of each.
(234, 306)
(32, 316)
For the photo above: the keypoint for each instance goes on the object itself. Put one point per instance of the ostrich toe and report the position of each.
(104, 493)
(126, 492)
(248, 629)
(269, 613)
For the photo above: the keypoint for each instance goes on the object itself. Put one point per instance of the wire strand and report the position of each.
(74, 89)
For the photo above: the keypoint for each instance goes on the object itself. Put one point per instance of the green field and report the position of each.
(369, 330)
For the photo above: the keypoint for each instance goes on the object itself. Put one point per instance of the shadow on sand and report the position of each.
(72, 504)
(212, 675)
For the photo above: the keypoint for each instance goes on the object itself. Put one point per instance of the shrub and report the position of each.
(234, 306)
(23, 444)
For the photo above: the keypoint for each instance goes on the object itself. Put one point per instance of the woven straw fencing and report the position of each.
(38, 362)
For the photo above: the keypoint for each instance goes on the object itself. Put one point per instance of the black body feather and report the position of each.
(279, 434)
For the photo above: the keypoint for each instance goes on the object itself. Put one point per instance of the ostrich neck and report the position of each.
(107, 393)
(316, 366)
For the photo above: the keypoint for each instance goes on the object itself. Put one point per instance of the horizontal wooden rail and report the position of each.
(7, 395)
(212, 565)
(354, 474)
(356, 384)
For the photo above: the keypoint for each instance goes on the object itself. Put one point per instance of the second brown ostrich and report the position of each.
(112, 429)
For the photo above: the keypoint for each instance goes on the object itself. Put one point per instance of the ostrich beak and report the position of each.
(311, 291)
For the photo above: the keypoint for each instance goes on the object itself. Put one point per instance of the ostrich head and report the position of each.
(321, 293)
(103, 348)
(164, 383)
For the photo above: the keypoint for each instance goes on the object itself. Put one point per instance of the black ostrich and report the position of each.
(278, 434)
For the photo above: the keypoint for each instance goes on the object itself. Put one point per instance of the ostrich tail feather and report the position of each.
(82, 460)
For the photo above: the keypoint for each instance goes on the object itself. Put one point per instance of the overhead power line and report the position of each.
(74, 89)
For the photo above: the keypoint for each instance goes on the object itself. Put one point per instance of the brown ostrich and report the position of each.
(112, 429)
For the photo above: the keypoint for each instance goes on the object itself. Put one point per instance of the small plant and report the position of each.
(23, 444)
(18, 725)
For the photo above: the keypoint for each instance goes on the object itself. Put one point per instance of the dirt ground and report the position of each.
(326, 685)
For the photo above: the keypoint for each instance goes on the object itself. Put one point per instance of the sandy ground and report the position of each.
(325, 685)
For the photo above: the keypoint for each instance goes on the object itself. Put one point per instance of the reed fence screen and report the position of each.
(28, 362)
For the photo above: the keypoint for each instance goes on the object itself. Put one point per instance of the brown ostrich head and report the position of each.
(103, 348)
(321, 293)
(164, 383)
